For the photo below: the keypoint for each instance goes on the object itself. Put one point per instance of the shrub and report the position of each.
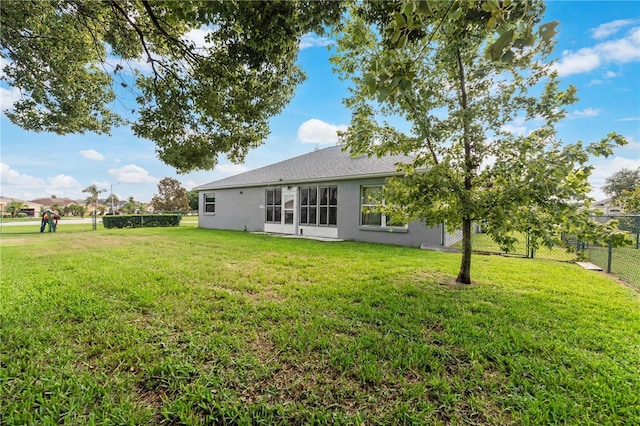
(141, 221)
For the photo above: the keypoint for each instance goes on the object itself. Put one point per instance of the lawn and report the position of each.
(191, 326)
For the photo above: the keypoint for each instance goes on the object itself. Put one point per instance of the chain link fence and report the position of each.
(622, 261)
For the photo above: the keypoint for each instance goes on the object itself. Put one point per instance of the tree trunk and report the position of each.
(464, 276)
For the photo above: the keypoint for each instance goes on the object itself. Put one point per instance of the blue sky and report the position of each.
(598, 51)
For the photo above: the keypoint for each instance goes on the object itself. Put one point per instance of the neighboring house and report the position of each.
(29, 207)
(325, 193)
(607, 206)
(61, 202)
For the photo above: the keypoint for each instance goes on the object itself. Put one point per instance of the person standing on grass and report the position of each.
(56, 217)
(45, 220)
(50, 221)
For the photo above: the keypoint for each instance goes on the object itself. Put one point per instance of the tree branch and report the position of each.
(118, 10)
(156, 23)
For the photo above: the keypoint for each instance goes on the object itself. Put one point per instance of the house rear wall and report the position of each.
(236, 209)
(415, 235)
(243, 209)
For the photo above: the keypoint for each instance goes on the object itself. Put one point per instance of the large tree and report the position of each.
(459, 74)
(74, 210)
(72, 59)
(14, 207)
(172, 196)
(625, 180)
(194, 199)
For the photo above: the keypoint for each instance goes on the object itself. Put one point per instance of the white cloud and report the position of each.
(514, 129)
(587, 112)
(11, 180)
(8, 97)
(26, 187)
(583, 60)
(91, 154)
(190, 184)
(610, 28)
(3, 63)
(632, 144)
(620, 51)
(623, 50)
(310, 40)
(132, 174)
(317, 131)
(63, 181)
(630, 119)
(231, 169)
(63, 186)
(605, 169)
(198, 37)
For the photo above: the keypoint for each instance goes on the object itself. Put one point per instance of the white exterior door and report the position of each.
(289, 210)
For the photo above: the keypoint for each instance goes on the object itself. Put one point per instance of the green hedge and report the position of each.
(141, 221)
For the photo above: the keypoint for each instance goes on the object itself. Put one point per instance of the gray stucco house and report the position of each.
(323, 193)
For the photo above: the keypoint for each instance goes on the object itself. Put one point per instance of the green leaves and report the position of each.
(497, 50)
(73, 59)
(624, 187)
(171, 196)
(604, 148)
(548, 31)
(429, 70)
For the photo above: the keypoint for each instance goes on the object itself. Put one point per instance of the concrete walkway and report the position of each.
(60, 222)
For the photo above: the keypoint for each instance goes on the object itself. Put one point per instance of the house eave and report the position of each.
(283, 182)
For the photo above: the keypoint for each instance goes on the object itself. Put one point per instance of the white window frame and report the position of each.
(206, 204)
(318, 207)
(274, 207)
(383, 217)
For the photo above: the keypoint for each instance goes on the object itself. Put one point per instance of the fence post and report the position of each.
(609, 258)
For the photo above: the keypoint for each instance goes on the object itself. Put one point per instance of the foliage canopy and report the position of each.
(77, 62)
(171, 196)
(621, 181)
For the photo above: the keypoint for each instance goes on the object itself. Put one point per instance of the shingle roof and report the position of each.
(332, 163)
(51, 201)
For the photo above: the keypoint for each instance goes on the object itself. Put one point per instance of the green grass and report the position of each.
(191, 326)
(625, 262)
(20, 219)
(38, 219)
